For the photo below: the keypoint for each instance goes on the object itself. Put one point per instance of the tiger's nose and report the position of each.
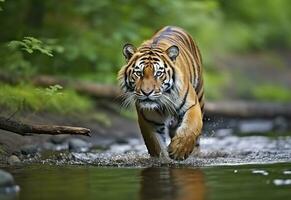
(148, 92)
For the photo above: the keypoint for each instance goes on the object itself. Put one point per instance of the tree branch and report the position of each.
(28, 129)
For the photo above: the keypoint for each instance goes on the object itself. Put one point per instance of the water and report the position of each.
(226, 167)
(90, 182)
(214, 151)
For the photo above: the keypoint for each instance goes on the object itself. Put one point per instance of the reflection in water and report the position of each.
(172, 183)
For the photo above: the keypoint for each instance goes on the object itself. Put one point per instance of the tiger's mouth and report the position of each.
(148, 103)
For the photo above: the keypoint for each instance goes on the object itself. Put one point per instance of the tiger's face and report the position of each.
(148, 77)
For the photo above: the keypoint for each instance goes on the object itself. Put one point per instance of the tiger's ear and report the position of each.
(128, 51)
(173, 52)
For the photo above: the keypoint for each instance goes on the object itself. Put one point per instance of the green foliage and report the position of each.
(271, 93)
(86, 37)
(1, 1)
(37, 99)
(31, 44)
(91, 33)
(53, 90)
(14, 59)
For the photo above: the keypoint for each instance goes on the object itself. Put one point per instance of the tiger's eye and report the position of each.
(138, 73)
(159, 73)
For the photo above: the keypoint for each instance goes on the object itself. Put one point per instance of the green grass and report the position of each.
(43, 99)
(271, 93)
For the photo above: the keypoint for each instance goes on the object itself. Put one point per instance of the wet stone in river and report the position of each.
(13, 160)
(58, 139)
(29, 150)
(7, 185)
(78, 145)
(6, 179)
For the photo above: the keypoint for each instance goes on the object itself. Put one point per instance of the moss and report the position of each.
(40, 99)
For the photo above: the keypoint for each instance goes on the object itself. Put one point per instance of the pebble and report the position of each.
(263, 172)
(280, 182)
(13, 160)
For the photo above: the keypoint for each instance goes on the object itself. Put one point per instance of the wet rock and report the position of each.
(221, 133)
(58, 139)
(6, 179)
(280, 182)
(29, 150)
(48, 146)
(121, 141)
(13, 160)
(7, 186)
(262, 172)
(280, 124)
(78, 145)
(256, 126)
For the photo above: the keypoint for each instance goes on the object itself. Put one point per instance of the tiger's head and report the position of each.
(148, 77)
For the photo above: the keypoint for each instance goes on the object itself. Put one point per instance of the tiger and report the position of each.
(163, 79)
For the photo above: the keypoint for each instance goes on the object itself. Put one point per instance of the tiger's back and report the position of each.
(190, 59)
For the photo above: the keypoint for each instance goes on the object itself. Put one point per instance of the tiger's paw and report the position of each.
(181, 146)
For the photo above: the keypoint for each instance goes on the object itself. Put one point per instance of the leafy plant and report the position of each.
(40, 99)
(31, 44)
(1, 1)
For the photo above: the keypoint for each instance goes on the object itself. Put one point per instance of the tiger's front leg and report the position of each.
(149, 130)
(187, 133)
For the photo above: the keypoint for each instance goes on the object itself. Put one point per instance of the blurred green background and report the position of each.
(245, 45)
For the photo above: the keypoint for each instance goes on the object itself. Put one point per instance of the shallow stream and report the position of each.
(227, 166)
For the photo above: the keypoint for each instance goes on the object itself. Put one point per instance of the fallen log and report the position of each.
(240, 109)
(245, 109)
(28, 129)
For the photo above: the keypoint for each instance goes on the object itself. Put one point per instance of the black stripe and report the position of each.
(181, 115)
(184, 98)
(144, 58)
(161, 130)
(155, 59)
(200, 98)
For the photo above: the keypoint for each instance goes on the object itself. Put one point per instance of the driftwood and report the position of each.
(28, 129)
(243, 109)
